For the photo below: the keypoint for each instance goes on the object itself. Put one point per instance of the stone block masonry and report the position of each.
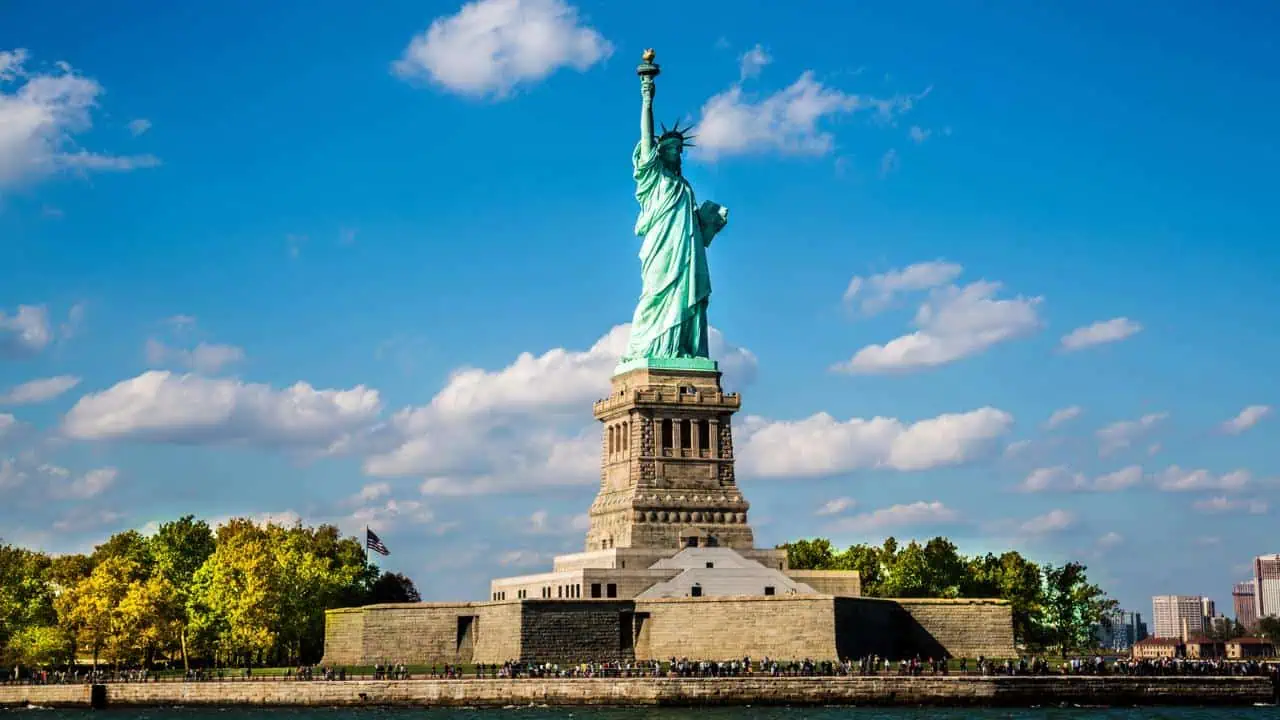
(792, 627)
(783, 627)
(885, 690)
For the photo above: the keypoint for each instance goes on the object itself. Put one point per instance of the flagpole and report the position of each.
(366, 544)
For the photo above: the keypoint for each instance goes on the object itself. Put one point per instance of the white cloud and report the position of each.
(836, 506)
(180, 323)
(374, 491)
(522, 558)
(542, 522)
(822, 445)
(954, 323)
(1061, 479)
(37, 391)
(82, 518)
(139, 126)
(27, 331)
(912, 515)
(1223, 504)
(787, 122)
(918, 134)
(40, 115)
(889, 162)
(521, 427)
(1176, 479)
(285, 518)
(75, 319)
(752, 62)
(1054, 521)
(492, 46)
(205, 357)
(1110, 540)
(7, 423)
(1247, 418)
(89, 485)
(159, 406)
(389, 515)
(1118, 480)
(1120, 435)
(877, 292)
(1016, 448)
(11, 476)
(1103, 331)
(1063, 416)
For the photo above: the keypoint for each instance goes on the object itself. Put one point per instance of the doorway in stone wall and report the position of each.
(640, 623)
(468, 626)
(626, 632)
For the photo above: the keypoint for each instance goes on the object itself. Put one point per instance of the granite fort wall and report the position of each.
(843, 583)
(344, 636)
(787, 627)
(500, 637)
(415, 633)
(570, 632)
(887, 690)
(958, 628)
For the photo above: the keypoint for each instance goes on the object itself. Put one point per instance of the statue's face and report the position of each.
(670, 154)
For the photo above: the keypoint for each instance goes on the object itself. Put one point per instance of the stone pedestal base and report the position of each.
(667, 476)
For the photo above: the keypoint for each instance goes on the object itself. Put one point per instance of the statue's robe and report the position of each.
(670, 320)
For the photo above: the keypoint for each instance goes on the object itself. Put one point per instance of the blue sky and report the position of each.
(305, 259)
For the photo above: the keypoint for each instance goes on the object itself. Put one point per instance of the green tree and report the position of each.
(866, 560)
(1013, 578)
(810, 555)
(235, 601)
(91, 610)
(26, 596)
(1073, 607)
(1269, 627)
(180, 548)
(39, 645)
(393, 588)
(129, 544)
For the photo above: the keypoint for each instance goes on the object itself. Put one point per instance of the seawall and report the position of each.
(887, 690)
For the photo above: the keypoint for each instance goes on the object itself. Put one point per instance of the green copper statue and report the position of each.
(670, 322)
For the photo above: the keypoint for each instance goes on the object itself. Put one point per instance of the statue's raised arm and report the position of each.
(647, 70)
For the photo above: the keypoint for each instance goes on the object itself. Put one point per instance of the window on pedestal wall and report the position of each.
(704, 435)
(595, 590)
(667, 435)
(696, 591)
(686, 434)
(611, 590)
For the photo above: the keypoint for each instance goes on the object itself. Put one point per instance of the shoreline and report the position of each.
(953, 691)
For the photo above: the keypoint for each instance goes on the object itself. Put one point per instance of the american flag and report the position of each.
(374, 543)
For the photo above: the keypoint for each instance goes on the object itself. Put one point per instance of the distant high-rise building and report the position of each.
(1120, 630)
(1178, 615)
(1244, 598)
(1266, 585)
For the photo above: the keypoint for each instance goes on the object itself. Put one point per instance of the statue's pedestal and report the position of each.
(667, 475)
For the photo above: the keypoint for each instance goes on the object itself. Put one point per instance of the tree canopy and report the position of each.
(1053, 606)
(245, 593)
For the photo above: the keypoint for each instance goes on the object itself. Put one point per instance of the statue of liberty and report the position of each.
(670, 321)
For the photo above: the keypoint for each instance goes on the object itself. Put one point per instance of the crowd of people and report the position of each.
(871, 665)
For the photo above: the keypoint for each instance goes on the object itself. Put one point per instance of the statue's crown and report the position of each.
(678, 134)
